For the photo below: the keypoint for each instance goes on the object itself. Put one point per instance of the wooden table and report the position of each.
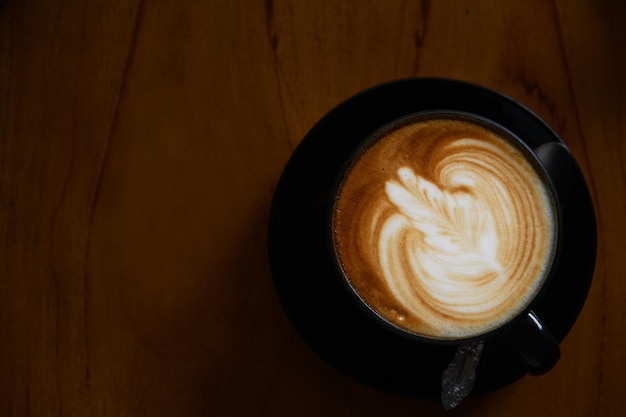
(141, 142)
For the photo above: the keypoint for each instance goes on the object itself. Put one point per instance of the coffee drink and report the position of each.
(445, 226)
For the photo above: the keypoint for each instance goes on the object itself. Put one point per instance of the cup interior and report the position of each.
(512, 139)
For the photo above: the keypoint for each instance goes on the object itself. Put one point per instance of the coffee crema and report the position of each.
(444, 227)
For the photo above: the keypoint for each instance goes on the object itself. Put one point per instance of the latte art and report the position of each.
(444, 228)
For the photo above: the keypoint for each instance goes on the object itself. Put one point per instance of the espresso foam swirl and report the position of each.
(444, 228)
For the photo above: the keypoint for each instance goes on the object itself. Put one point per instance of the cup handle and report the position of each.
(557, 162)
(534, 343)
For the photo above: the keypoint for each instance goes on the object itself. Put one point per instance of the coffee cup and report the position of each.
(446, 226)
(422, 216)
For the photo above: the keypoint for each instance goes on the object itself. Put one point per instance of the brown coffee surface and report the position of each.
(444, 228)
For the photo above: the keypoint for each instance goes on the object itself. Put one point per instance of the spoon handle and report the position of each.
(457, 380)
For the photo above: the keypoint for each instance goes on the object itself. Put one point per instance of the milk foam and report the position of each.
(458, 247)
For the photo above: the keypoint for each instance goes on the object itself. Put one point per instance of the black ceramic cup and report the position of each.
(352, 336)
(524, 331)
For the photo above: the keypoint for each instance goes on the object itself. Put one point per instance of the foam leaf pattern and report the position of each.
(458, 232)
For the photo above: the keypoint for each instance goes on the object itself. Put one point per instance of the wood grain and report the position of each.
(140, 145)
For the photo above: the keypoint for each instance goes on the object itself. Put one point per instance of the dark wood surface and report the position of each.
(140, 145)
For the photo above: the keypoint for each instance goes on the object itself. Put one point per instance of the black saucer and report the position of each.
(306, 280)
